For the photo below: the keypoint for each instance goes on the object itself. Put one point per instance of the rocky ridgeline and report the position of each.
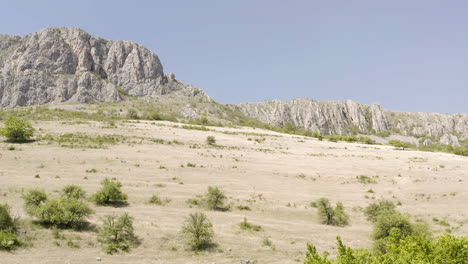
(346, 117)
(58, 65)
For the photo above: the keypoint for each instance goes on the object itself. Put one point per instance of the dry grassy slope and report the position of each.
(247, 171)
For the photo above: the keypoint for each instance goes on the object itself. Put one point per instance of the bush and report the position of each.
(33, 199)
(110, 193)
(341, 218)
(7, 222)
(66, 211)
(8, 241)
(117, 233)
(210, 140)
(17, 129)
(410, 249)
(375, 209)
(245, 225)
(330, 216)
(73, 191)
(214, 198)
(400, 144)
(153, 115)
(199, 231)
(132, 114)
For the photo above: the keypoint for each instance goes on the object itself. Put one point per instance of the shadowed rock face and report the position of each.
(68, 64)
(343, 117)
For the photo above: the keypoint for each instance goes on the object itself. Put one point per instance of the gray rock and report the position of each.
(67, 64)
(428, 142)
(345, 117)
(449, 139)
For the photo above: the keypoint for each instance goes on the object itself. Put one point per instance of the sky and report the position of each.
(403, 55)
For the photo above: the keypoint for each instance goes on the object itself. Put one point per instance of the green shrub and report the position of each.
(330, 216)
(199, 231)
(74, 191)
(341, 218)
(245, 225)
(210, 140)
(110, 193)
(117, 233)
(410, 249)
(8, 241)
(17, 129)
(375, 209)
(153, 115)
(400, 144)
(33, 199)
(67, 210)
(132, 114)
(214, 198)
(7, 222)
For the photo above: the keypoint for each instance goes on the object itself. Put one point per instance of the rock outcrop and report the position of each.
(67, 64)
(346, 117)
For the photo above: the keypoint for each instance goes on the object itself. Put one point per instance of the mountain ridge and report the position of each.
(57, 65)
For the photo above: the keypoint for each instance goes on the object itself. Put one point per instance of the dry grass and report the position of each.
(263, 176)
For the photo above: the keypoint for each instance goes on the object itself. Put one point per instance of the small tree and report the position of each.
(117, 233)
(199, 231)
(73, 191)
(375, 209)
(330, 216)
(132, 114)
(17, 129)
(341, 218)
(110, 193)
(67, 211)
(210, 140)
(326, 212)
(7, 222)
(214, 198)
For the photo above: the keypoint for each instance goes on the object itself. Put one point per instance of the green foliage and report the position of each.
(341, 218)
(214, 198)
(7, 223)
(16, 129)
(210, 140)
(365, 179)
(33, 199)
(375, 209)
(400, 144)
(289, 128)
(132, 114)
(199, 231)
(110, 193)
(74, 191)
(326, 212)
(329, 215)
(8, 241)
(69, 210)
(117, 233)
(410, 249)
(245, 225)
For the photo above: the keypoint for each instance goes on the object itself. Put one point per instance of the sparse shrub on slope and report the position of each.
(329, 215)
(117, 234)
(74, 191)
(17, 129)
(375, 209)
(199, 231)
(66, 211)
(110, 193)
(215, 198)
(8, 229)
(210, 140)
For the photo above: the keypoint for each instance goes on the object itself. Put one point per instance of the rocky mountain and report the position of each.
(347, 117)
(58, 65)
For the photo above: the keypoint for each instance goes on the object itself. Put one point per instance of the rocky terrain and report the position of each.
(57, 65)
(348, 117)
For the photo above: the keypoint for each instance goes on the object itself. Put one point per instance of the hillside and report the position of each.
(276, 175)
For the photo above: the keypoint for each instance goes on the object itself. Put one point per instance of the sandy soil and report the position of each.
(277, 178)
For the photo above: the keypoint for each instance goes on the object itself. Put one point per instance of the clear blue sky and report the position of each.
(405, 55)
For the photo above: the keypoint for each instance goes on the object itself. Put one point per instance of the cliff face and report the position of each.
(343, 117)
(68, 64)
